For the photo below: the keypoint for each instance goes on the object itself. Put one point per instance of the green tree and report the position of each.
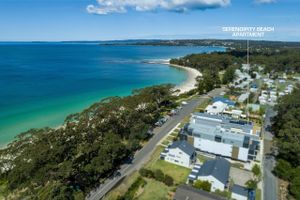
(295, 186)
(146, 173)
(204, 185)
(88, 149)
(283, 169)
(256, 170)
(229, 75)
(251, 184)
(159, 175)
(168, 180)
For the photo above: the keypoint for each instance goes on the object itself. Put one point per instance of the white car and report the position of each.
(184, 103)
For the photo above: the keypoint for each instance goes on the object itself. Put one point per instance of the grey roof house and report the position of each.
(180, 153)
(185, 192)
(239, 192)
(215, 171)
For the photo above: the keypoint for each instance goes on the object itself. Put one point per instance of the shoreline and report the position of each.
(186, 86)
(191, 81)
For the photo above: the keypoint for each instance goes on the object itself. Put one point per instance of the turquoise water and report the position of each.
(40, 84)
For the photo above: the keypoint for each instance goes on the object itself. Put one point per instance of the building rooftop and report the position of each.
(237, 189)
(185, 192)
(212, 121)
(184, 146)
(224, 100)
(216, 108)
(243, 97)
(218, 168)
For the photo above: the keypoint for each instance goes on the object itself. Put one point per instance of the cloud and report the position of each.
(121, 6)
(265, 1)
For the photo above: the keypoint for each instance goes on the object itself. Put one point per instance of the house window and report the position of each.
(218, 138)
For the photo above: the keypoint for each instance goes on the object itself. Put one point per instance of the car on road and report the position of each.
(174, 112)
(184, 103)
(117, 173)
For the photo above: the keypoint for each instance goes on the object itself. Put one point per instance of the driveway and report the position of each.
(240, 176)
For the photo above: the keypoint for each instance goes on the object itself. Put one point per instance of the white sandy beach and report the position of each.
(190, 83)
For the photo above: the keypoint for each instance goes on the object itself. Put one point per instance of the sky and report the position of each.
(69, 20)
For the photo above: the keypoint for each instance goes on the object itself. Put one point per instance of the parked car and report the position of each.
(162, 120)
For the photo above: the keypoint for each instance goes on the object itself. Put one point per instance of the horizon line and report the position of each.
(120, 40)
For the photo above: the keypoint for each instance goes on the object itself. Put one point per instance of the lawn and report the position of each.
(258, 194)
(166, 142)
(174, 134)
(203, 158)
(184, 122)
(178, 173)
(155, 156)
(237, 165)
(154, 190)
(170, 138)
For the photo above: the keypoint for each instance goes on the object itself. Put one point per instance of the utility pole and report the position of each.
(248, 88)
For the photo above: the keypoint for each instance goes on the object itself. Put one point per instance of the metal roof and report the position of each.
(224, 100)
(237, 189)
(184, 146)
(185, 192)
(218, 168)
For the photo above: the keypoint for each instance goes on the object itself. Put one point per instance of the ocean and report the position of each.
(42, 83)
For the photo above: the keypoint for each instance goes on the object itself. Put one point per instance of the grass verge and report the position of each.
(154, 190)
(178, 173)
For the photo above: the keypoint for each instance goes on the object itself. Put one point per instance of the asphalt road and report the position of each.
(270, 181)
(144, 154)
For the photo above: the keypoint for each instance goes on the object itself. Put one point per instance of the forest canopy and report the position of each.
(66, 163)
(286, 126)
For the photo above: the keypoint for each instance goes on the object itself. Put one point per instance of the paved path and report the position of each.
(270, 191)
(144, 154)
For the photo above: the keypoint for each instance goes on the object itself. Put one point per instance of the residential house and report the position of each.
(253, 107)
(216, 108)
(215, 171)
(224, 100)
(234, 113)
(243, 97)
(246, 67)
(253, 87)
(180, 153)
(239, 192)
(242, 80)
(186, 192)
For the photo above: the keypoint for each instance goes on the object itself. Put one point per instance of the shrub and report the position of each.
(224, 193)
(129, 195)
(146, 173)
(168, 180)
(251, 184)
(204, 185)
(159, 175)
